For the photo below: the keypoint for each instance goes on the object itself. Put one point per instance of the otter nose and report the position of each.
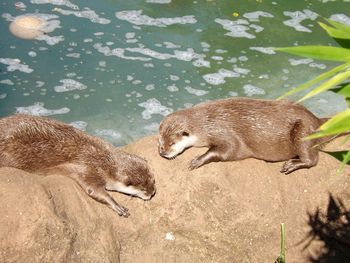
(161, 150)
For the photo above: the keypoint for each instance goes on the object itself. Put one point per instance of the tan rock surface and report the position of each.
(222, 212)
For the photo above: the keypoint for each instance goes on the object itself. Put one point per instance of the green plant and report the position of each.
(282, 256)
(336, 80)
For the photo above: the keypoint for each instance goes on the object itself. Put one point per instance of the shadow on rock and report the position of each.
(333, 229)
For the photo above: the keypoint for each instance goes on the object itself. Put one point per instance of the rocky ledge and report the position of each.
(222, 212)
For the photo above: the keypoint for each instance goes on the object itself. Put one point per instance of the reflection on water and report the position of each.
(115, 68)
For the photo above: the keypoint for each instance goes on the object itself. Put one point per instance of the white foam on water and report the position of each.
(73, 55)
(21, 6)
(265, 50)
(150, 87)
(32, 54)
(102, 64)
(302, 61)
(241, 71)
(174, 77)
(39, 83)
(220, 51)
(69, 85)
(38, 109)
(170, 45)
(56, 2)
(135, 17)
(341, 18)
(88, 14)
(108, 134)
(158, 1)
(183, 55)
(201, 63)
(50, 40)
(233, 94)
(219, 77)
(243, 58)
(81, 125)
(153, 106)
(196, 92)
(251, 90)
(149, 52)
(7, 82)
(219, 58)
(317, 65)
(238, 28)
(255, 16)
(298, 17)
(3, 96)
(172, 88)
(130, 35)
(15, 64)
(118, 52)
(153, 127)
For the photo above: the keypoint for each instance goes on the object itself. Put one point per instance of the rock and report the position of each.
(27, 26)
(221, 212)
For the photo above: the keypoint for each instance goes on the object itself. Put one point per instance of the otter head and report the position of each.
(134, 177)
(175, 136)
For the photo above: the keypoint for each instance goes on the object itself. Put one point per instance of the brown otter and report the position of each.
(239, 128)
(43, 145)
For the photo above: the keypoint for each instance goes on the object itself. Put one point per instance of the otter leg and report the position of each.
(307, 154)
(214, 154)
(97, 191)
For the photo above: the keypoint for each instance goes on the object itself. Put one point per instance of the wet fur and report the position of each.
(240, 128)
(43, 145)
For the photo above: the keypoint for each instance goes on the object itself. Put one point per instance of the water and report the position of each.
(116, 68)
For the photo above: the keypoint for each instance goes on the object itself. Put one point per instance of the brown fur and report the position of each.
(44, 145)
(239, 128)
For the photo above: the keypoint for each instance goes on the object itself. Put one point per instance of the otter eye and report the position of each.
(185, 134)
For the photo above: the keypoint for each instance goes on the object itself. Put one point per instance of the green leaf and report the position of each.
(343, 156)
(339, 155)
(319, 52)
(337, 79)
(344, 90)
(336, 30)
(319, 78)
(345, 161)
(338, 124)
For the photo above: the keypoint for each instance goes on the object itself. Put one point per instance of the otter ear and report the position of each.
(185, 134)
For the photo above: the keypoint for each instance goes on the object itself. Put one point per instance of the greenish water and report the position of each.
(116, 68)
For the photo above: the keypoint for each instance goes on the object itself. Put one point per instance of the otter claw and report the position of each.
(194, 164)
(122, 211)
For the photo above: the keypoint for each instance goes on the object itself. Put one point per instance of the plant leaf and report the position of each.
(345, 161)
(338, 124)
(344, 90)
(337, 79)
(319, 52)
(336, 30)
(319, 78)
(339, 155)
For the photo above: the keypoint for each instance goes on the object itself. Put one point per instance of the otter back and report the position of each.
(44, 145)
(239, 128)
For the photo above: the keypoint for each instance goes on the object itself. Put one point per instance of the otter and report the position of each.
(44, 146)
(240, 128)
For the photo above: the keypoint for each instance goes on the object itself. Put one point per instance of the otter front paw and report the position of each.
(195, 163)
(122, 211)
